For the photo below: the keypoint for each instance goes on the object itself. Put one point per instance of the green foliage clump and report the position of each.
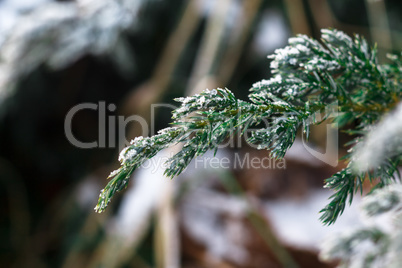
(307, 78)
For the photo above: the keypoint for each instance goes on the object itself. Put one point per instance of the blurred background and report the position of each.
(122, 56)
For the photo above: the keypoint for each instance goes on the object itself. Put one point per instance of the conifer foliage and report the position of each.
(308, 76)
(378, 242)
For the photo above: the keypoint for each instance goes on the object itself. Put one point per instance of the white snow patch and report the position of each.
(140, 200)
(297, 221)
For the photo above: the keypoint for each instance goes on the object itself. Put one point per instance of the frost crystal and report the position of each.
(293, 61)
(137, 140)
(122, 155)
(201, 101)
(130, 154)
(112, 174)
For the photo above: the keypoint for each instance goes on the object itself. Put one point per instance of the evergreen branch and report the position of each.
(202, 122)
(307, 78)
(133, 157)
(347, 182)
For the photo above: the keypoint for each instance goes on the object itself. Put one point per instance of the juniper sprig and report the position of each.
(308, 77)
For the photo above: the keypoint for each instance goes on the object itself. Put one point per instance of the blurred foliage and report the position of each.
(377, 244)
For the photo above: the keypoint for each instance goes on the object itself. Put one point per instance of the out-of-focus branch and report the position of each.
(141, 98)
(378, 21)
(378, 29)
(208, 54)
(297, 17)
(233, 53)
(321, 13)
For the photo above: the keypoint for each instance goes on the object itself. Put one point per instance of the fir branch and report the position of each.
(132, 157)
(345, 71)
(307, 78)
(204, 121)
